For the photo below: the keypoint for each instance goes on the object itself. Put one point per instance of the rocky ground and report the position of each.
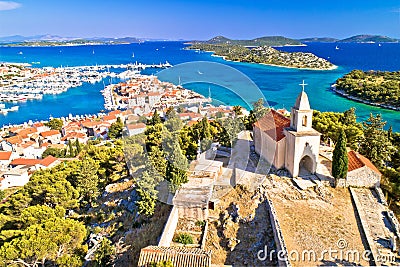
(238, 228)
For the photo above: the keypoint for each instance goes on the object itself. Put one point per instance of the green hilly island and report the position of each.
(380, 88)
(260, 51)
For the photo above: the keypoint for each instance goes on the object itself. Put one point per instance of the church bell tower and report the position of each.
(302, 141)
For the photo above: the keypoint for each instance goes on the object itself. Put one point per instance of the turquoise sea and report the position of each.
(280, 86)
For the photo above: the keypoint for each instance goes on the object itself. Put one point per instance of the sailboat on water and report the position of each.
(133, 54)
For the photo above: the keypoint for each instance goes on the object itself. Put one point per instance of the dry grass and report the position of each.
(143, 236)
(310, 222)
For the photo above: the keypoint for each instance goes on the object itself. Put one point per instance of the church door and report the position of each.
(306, 166)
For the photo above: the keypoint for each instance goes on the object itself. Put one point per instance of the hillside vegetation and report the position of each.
(376, 87)
(265, 55)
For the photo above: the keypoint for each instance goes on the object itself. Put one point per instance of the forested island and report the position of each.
(378, 88)
(265, 55)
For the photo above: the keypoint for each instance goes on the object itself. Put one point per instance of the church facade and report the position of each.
(289, 143)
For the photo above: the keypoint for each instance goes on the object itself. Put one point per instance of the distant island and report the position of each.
(377, 88)
(267, 40)
(362, 38)
(261, 52)
(369, 39)
(319, 40)
(49, 40)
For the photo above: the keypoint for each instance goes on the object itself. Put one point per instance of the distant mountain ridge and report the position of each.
(361, 38)
(365, 38)
(266, 40)
(319, 40)
(56, 38)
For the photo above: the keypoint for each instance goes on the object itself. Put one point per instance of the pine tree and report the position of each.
(155, 119)
(376, 145)
(340, 160)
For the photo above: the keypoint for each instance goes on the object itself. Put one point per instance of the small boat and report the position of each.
(199, 72)
(337, 47)
(20, 53)
(379, 45)
(133, 54)
(93, 51)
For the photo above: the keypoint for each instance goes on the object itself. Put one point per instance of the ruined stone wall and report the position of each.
(278, 235)
(363, 177)
(169, 228)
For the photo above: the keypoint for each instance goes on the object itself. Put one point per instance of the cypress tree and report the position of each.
(70, 149)
(340, 160)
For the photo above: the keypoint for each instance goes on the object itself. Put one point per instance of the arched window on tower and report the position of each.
(304, 121)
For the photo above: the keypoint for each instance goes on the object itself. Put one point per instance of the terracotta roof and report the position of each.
(31, 162)
(28, 162)
(115, 112)
(25, 132)
(91, 124)
(273, 124)
(14, 139)
(73, 135)
(136, 126)
(179, 256)
(28, 144)
(5, 155)
(47, 161)
(109, 117)
(38, 124)
(49, 133)
(357, 161)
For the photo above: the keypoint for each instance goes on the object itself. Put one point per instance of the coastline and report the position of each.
(345, 95)
(273, 65)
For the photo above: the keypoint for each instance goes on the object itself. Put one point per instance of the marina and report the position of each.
(19, 83)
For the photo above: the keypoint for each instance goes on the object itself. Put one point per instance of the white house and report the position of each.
(14, 177)
(52, 136)
(136, 128)
(5, 158)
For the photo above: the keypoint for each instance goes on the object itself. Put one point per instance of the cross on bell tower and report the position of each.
(303, 85)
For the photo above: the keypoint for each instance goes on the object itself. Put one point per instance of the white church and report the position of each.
(289, 143)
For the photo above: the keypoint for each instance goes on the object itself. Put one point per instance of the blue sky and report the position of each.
(178, 19)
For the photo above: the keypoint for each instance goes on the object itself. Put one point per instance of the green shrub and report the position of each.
(200, 223)
(184, 238)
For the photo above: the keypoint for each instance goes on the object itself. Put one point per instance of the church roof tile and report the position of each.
(273, 123)
(357, 161)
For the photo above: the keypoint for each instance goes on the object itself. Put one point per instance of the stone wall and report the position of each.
(278, 235)
(381, 196)
(363, 177)
(169, 228)
(364, 225)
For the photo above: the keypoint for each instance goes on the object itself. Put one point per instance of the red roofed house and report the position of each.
(361, 172)
(52, 136)
(35, 164)
(5, 157)
(40, 127)
(289, 143)
(110, 118)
